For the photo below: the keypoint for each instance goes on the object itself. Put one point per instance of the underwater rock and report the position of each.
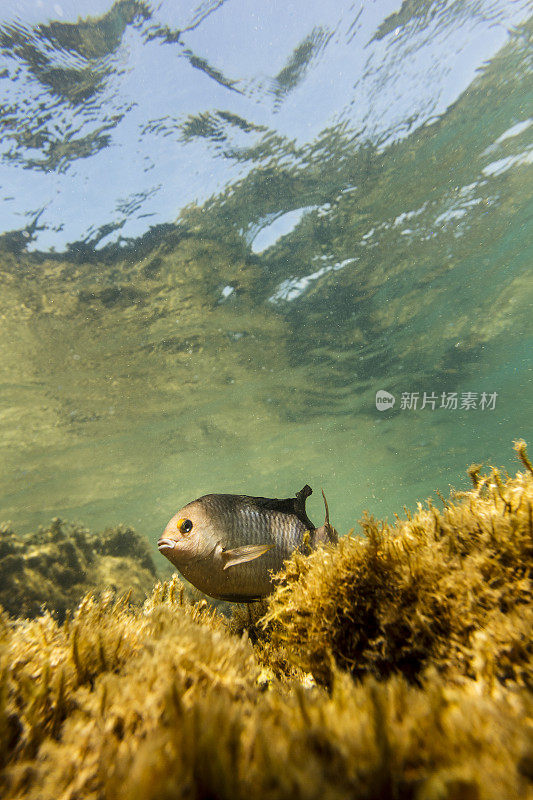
(451, 589)
(418, 639)
(56, 566)
(163, 702)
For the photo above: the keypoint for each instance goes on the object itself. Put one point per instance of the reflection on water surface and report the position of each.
(227, 226)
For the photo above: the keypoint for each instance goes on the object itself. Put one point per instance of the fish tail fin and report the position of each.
(327, 532)
(326, 521)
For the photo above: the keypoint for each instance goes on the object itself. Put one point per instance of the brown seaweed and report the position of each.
(56, 566)
(396, 666)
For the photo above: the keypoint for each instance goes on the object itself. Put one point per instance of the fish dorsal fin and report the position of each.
(301, 497)
(240, 555)
(290, 505)
(299, 506)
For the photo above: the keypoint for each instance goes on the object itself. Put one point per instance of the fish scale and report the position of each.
(248, 525)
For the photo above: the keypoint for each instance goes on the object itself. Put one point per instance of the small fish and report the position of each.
(228, 545)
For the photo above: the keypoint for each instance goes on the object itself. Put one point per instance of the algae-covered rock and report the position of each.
(74, 695)
(163, 703)
(449, 588)
(418, 638)
(57, 565)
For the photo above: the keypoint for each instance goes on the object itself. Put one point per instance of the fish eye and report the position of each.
(185, 525)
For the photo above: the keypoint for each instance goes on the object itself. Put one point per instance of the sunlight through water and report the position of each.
(227, 226)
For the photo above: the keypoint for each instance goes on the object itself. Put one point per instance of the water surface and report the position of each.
(227, 225)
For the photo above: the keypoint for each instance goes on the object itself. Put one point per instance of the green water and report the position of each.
(133, 381)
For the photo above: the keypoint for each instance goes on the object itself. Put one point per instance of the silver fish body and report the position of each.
(228, 546)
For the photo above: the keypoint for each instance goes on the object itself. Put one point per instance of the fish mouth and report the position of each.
(166, 544)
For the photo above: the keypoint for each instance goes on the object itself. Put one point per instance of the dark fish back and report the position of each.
(227, 503)
(258, 520)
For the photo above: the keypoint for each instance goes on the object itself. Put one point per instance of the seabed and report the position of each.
(398, 664)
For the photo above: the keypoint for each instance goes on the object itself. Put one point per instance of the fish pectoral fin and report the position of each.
(240, 555)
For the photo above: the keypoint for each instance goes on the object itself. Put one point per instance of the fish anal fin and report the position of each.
(240, 555)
